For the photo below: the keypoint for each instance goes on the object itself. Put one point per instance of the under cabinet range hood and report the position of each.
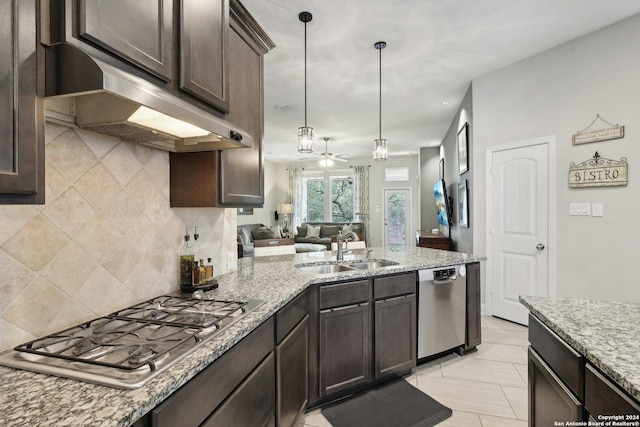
(112, 101)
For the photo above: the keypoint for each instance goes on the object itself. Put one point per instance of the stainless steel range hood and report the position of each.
(114, 102)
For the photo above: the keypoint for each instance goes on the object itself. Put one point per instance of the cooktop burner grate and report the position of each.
(128, 348)
(114, 342)
(201, 313)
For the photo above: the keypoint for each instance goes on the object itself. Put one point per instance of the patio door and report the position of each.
(396, 217)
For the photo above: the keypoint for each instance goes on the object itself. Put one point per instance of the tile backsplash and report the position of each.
(106, 237)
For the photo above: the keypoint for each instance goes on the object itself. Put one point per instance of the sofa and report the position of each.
(245, 239)
(247, 233)
(327, 229)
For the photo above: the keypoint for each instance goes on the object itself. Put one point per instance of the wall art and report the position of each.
(613, 132)
(463, 204)
(598, 172)
(463, 149)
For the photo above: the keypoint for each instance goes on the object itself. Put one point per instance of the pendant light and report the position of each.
(380, 145)
(305, 133)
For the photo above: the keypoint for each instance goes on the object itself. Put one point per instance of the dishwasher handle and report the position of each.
(442, 281)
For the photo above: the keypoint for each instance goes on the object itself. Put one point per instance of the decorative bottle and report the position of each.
(187, 259)
(202, 274)
(209, 269)
(195, 275)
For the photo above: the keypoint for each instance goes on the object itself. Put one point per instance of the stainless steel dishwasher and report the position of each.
(441, 309)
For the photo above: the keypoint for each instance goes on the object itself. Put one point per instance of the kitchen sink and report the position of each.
(335, 267)
(324, 268)
(372, 264)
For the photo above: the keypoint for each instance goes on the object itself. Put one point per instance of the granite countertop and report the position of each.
(607, 333)
(30, 399)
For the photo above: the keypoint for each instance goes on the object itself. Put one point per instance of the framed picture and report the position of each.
(245, 211)
(463, 148)
(441, 168)
(463, 203)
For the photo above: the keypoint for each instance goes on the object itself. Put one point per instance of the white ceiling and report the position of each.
(435, 48)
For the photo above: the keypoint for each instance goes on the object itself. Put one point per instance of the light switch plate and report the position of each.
(597, 209)
(579, 209)
(230, 261)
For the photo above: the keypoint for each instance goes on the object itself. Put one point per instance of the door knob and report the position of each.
(539, 246)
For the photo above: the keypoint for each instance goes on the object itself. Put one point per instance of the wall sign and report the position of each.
(614, 132)
(598, 135)
(598, 172)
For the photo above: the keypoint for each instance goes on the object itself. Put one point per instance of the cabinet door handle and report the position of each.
(540, 246)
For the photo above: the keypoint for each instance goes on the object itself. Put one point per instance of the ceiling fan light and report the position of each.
(305, 139)
(380, 150)
(326, 163)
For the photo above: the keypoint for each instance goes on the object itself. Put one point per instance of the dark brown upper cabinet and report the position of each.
(203, 50)
(231, 178)
(21, 106)
(138, 31)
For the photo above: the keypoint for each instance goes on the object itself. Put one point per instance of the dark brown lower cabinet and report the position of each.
(549, 399)
(252, 403)
(345, 348)
(244, 375)
(603, 397)
(395, 335)
(292, 373)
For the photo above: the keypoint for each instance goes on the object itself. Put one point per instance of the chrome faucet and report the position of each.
(343, 238)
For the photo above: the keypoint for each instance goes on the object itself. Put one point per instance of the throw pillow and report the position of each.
(245, 236)
(302, 231)
(313, 231)
(329, 230)
(262, 233)
(347, 228)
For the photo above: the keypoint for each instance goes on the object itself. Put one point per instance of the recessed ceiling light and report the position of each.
(445, 102)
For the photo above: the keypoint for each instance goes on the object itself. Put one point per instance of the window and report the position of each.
(396, 174)
(328, 196)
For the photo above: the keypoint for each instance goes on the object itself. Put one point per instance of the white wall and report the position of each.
(559, 92)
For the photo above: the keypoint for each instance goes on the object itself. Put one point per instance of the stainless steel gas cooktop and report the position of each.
(128, 348)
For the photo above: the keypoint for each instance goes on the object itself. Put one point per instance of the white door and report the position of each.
(396, 217)
(518, 219)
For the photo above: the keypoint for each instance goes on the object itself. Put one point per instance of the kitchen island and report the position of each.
(29, 399)
(585, 353)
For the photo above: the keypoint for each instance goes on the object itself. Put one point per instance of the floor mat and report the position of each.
(394, 404)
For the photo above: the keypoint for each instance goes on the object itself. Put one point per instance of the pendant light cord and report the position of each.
(380, 100)
(305, 74)
(380, 45)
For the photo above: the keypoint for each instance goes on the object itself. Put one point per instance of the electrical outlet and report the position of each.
(230, 261)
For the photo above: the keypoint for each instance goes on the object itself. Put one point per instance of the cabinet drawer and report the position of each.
(344, 294)
(549, 398)
(564, 360)
(251, 404)
(193, 403)
(394, 285)
(602, 397)
(289, 316)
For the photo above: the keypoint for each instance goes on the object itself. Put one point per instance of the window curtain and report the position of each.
(361, 190)
(294, 196)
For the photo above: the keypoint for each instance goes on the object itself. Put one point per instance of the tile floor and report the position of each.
(487, 388)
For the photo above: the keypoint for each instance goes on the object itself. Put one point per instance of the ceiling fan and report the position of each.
(327, 158)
